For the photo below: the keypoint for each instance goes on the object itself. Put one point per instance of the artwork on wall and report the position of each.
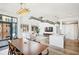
(24, 27)
(35, 29)
(48, 29)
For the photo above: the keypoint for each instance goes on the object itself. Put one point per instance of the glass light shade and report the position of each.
(23, 11)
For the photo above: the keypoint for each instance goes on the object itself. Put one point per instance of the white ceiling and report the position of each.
(47, 10)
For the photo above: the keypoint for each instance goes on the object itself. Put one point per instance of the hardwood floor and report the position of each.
(58, 51)
(72, 45)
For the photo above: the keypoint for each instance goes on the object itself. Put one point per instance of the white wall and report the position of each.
(78, 29)
(26, 20)
(43, 25)
(70, 31)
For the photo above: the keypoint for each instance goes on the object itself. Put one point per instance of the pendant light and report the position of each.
(23, 10)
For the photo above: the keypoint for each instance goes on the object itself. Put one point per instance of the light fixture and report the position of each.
(22, 10)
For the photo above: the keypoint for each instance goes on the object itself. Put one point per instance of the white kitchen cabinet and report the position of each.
(56, 40)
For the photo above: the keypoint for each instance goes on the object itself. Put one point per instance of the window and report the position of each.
(8, 27)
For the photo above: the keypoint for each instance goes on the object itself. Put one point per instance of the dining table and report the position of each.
(28, 47)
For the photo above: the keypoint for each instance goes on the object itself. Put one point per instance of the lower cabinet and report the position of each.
(56, 40)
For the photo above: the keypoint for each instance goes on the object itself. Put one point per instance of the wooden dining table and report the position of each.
(28, 47)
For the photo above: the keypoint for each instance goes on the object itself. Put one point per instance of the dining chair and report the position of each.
(45, 52)
(17, 52)
(11, 48)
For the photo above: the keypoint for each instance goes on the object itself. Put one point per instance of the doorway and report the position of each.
(5, 33)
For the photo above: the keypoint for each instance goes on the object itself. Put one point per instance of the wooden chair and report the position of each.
(40, 54)
(45, 52)
(17, 52)
(11, 48)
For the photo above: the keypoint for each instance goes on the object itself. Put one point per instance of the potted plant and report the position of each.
(37, 30)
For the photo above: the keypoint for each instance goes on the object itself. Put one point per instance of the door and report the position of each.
(6, 31)
(0, 31)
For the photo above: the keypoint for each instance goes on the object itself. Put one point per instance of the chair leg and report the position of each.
(47, 52)
(8, 53)
(40, 54)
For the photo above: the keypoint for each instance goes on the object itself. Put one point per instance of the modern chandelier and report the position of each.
(22, 10)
